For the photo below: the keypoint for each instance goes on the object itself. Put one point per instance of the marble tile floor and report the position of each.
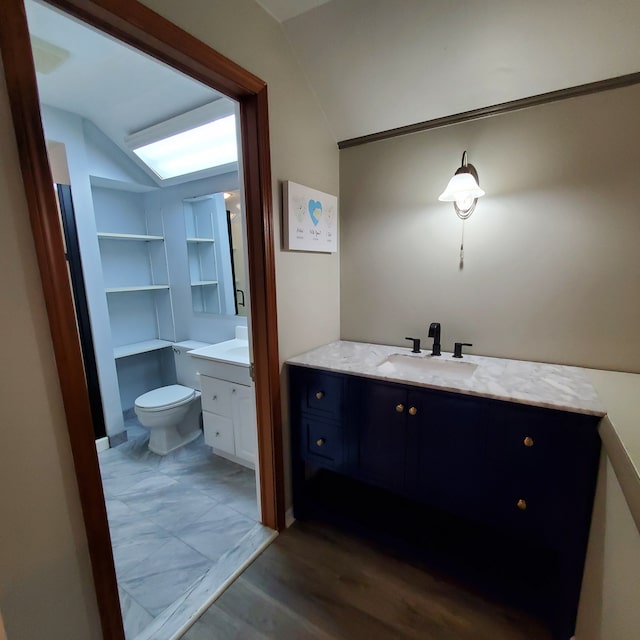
(172, 519)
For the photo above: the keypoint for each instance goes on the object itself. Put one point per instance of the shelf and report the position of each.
(204, 283)
(207, 240)
(140, 347)
(147, 287)
(128, 236)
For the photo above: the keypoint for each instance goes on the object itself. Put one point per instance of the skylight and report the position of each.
(210, 145)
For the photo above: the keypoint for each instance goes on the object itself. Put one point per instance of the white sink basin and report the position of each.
(231, 351)
(399, 364)
(227, 360)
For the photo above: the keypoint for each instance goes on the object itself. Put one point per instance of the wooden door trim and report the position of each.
(138, 26)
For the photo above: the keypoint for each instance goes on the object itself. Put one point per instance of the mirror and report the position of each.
(215, 249)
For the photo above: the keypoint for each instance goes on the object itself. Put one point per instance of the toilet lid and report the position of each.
(164, 397)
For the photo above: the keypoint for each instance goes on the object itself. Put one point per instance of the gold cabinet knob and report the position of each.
(521, 504)
(412, 411)
(320, 442)
(399, 408)
(528, 442)
(319, 395)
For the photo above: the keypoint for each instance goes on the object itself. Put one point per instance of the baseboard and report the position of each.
(288, 517)
(118, 438)
(102, 444)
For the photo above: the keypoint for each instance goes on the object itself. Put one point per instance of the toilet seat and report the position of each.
(164, 398)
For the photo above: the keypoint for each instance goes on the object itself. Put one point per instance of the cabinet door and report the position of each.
(244, 423)
(448, 444)
(382, 437)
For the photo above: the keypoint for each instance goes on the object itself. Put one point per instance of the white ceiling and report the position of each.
(376, 64)
(117, 88)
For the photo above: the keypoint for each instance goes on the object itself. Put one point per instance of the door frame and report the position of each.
(136, 25)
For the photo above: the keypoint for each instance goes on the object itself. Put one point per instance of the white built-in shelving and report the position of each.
(143, 287)
(202, 240)
(134, 237)
(135, 272)
(201, 251)
(145, 346)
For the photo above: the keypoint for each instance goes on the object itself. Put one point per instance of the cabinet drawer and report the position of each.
(216, 395)
(539, 438)
(218, 432)
(322, 443)
(322, 393)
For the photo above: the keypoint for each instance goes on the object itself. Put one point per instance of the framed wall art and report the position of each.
(310, 219)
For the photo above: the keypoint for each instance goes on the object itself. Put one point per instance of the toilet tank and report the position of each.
(186, 365)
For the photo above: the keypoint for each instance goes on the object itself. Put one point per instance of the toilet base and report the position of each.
(168, 438)
(164, 440)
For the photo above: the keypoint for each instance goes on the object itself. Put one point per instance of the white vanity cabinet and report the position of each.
(229, 419)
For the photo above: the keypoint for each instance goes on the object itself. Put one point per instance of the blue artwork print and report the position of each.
(311, 217)
(315, 205)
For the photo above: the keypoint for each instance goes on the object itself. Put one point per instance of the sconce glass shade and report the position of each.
(463, 190)
(461, 187)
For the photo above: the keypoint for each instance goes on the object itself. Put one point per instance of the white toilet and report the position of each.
(172, 413)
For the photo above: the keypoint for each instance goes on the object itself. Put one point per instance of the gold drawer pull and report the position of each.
(522, 504)
(399, 408)
(320, 395)
(412, 411)
(528, 442)
(320, 442)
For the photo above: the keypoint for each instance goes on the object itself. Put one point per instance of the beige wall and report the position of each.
(45, 576)
(45, 580)
(552, 263)
(609, 600)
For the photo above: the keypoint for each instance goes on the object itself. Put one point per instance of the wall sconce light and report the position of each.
(463, 189)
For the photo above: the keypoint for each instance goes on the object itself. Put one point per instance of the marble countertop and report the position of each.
(534, 383)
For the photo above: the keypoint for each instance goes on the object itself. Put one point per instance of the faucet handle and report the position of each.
(457, 348)
(416, 345)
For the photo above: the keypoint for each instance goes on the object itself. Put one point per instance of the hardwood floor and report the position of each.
(315, 582)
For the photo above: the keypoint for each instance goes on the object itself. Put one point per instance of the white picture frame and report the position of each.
(310, 219)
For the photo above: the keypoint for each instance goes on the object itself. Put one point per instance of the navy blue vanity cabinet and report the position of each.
(524, 476)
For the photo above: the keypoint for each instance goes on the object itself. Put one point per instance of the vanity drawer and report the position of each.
(541, 440)
(322, 443)
(218, 432)
(216, 395)
(321, 393)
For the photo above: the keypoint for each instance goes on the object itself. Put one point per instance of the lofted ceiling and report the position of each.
(376, 65)
(105, 81)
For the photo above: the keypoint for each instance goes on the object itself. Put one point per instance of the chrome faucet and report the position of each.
(434, 332)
